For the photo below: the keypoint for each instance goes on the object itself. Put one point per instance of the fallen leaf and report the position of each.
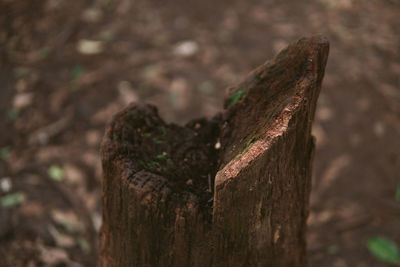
(68, 220)
(5, 184)
(53, 256)
(379, 128)
(97, 220)
(22, 100)
(73, 174)
(92, 15)
(186, 48)
(62, 240)
(90, 47)
(127, 93)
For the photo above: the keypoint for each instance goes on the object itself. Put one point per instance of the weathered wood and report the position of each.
(172, 197)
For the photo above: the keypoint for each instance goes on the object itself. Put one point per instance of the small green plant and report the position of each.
(152, 165)
(5, 152)
(384, 250)
(12, 199)
(13, 114)
(332, 250)
(236, 97)
(44, 52)
(56, 173)
(76, 73)
(84, 245)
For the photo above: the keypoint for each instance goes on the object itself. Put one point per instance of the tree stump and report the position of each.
(229, 191)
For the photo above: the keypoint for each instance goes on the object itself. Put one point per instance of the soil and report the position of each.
(59, 89)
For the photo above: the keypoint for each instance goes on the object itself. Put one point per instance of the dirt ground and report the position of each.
(68, 66)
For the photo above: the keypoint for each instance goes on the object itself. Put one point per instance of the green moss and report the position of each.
(248, 143)
(236, 97)
(152, 165)
(161, 156)
(169, 161)
(139, 116)
(162, 130)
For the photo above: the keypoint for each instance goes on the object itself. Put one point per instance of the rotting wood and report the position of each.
(157, 206)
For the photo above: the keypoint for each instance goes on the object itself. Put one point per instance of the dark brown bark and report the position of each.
(172, 198)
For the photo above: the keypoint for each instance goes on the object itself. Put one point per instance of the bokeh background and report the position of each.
(68, 66)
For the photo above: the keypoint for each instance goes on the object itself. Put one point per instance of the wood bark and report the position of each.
(229, 191)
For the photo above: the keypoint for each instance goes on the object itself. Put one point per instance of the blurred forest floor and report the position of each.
(68, 66)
